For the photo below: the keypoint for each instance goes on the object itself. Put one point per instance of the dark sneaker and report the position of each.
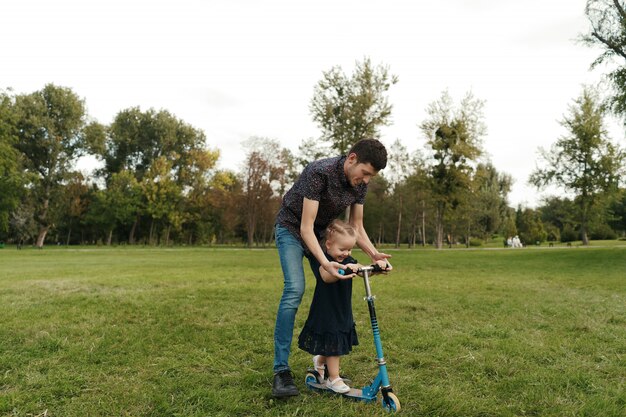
(284, 385)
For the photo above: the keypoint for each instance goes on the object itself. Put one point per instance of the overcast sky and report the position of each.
(237, 68)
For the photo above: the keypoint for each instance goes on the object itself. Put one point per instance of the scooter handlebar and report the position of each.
(371, 268)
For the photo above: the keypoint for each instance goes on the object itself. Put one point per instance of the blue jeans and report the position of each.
(291, 253)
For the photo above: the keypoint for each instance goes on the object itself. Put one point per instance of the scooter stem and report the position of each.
(382, 377)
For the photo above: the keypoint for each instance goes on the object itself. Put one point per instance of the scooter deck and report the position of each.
(354, 393)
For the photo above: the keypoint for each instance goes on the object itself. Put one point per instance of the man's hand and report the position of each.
(333, 269)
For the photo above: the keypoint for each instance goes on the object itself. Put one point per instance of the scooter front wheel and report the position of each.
(391, 403)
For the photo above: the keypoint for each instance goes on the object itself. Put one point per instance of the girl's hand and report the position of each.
(332, 268)
(380, 259)
(350, 270)
(384, 265)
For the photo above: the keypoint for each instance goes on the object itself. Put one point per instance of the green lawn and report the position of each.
(188, 332)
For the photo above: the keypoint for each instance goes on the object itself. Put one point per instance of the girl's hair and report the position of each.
(338, 227)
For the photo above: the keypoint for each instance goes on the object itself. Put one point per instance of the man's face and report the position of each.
(358, 173)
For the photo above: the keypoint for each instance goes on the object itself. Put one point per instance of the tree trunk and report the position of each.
(251, 227)
(583, 234)
(399, 224)
(151, 232)
(131, 237)
(167, 235)
(43, 223)
(414, 229)
(43, 231)
(423, 223)
(110, 237)
(439, 228)
(69, 234)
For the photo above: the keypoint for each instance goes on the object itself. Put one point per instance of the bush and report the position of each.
(602, 232)
(568, 234)
(554, 234)
(475, 243)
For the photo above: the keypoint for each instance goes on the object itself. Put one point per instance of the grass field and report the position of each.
(188, 332)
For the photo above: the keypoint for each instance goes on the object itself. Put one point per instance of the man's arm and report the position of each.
(309, 213)
(363, 240)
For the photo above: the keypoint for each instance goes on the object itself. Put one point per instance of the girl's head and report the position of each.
(339, 239)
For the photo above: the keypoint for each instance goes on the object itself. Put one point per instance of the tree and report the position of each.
(22, 222)
(50, 125)
(608, 20)
(529, 226)
(584, 161)
(73, 202)
(350, 108)
(163, 197)
(136, 140)
(491, 192)
(117, 205)
(12, 178)
(377, 207)
(225, 194)
(557, 214)
(454, 134)
(311, 150)
(618, 212)
(419, 198)
(266, 175)
(397, 173)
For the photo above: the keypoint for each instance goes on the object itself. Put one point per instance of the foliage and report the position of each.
(311, 150)
(569, 234)
(159, 184)
(617, 210)
(49, 125)
(12, 178)
(350, 108)
(454, 134)
(492, 189)
(608, 19)
(529, 226)
(602, 232)
(268, 173)
(584, 161)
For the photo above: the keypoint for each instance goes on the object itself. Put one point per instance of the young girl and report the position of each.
(329, 331)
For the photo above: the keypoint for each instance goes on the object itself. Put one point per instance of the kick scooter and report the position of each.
(368, 393)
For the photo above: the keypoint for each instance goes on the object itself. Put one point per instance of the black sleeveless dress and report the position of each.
(330, 329)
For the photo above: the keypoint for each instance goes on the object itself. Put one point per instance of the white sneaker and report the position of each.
(318, 368)
(337, 385)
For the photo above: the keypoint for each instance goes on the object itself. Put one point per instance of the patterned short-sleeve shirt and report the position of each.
(324, 181)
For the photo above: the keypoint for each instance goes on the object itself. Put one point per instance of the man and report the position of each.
(322, 193)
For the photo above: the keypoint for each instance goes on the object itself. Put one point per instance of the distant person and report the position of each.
(321, 194)
(329, 331)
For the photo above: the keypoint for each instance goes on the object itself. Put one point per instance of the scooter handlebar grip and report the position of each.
(345, 271)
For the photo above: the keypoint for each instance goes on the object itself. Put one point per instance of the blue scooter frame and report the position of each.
(368, 393)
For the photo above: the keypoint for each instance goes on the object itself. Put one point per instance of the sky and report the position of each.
(242, 68)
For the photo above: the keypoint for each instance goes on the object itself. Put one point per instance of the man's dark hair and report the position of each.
(370, 151)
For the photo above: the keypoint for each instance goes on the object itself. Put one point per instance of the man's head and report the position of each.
(365, 159)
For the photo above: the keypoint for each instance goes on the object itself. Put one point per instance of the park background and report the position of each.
(547, 166)
(137, 271)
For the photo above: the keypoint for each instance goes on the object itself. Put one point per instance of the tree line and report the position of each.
(158, 183)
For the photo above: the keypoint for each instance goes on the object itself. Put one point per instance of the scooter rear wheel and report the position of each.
(392, 403)
(310, 379)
